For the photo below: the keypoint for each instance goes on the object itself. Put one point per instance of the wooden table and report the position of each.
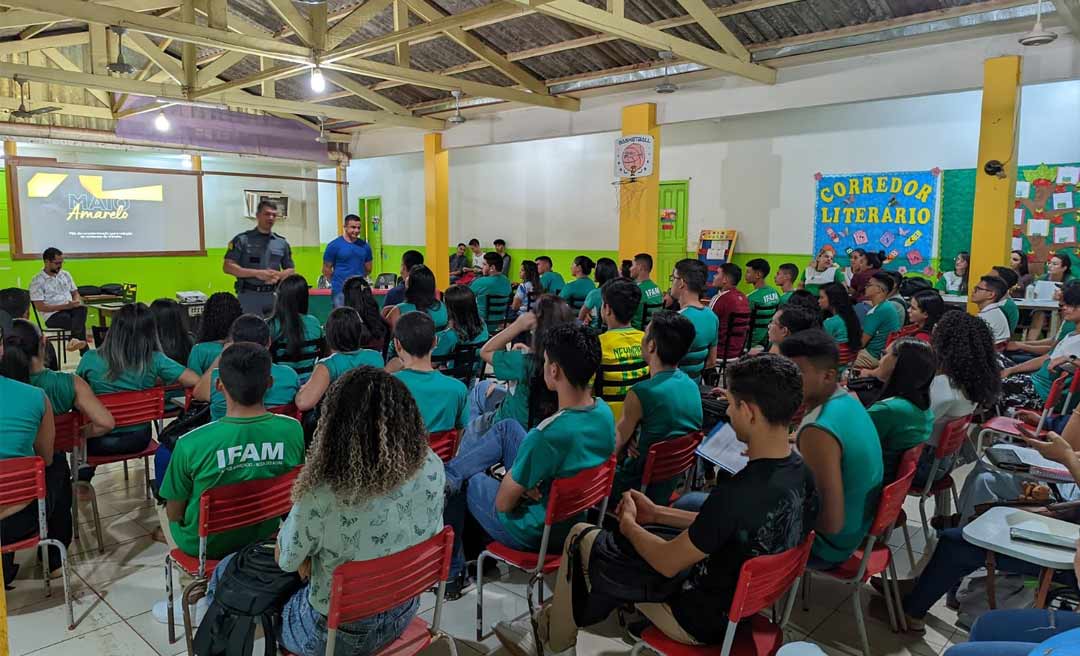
(96, 299)
(106, 310)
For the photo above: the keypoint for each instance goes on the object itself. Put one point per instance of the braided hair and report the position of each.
(965, 352)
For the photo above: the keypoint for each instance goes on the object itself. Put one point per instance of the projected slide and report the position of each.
(106, 211)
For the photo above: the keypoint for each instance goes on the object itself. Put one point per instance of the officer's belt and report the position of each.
(250, 287)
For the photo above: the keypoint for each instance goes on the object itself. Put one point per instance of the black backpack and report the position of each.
(252, 588)
(912, 285)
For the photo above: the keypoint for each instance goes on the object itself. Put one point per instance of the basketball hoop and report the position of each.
(633, 157)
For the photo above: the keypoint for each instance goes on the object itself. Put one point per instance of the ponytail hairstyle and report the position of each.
(358, 296)
(584, 263)
(840, 305)
(21, 345)
(290, 306)
(875, 260)
(420, 288)
(932, 305)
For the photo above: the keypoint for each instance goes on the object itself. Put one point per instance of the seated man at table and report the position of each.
(1032, 379)
(56, 299)
(247, 444)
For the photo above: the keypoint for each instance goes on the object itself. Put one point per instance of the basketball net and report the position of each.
(626, 187)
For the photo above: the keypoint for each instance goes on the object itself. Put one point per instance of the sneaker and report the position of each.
(458, 586)
(517, 637)
(161, 611)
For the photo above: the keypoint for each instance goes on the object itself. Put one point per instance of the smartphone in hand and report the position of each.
(1029, 432)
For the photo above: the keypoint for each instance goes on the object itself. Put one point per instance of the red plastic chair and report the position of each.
(875, 558)
(1009, 427)
(949, 442)
(287, 410)
(223, 509)
(127, 409)
(68, 428)
(909, 462)
(445, 443)
(669, 459)
(762, 581)
(847, 356)
(22, 480)
(568, 498)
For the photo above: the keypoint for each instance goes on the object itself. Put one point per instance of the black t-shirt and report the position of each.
(768, 507)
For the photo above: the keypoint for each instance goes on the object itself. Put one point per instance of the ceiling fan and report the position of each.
(120, 67)
(22, 112)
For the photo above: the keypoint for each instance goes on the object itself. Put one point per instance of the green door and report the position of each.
(671, 232)
(370, 211)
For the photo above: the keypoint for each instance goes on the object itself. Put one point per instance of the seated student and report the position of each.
(442, 400)
(822, 271)
(15, 304)
(128, 361)
(420, 296)
(955, 558)
(409, 259)
(767, 508)
(222, 309)
(1021, 632)
(880, 321)
(530, 402)
(551, 282)
(589, 314)
(804, 299)
(528, 290)
(459, 264)
(989, 295)
(500, 248)
(688, 287)
(296, 335)
(926, 308)
(344, 334)
(463, 327)
(1038, 374)
(26, 423)
(581, 435)
(247, 444)
(896, 297)
(491, 283)
(641, 271)
(666, 406)
(620, 344)
(786, 275)
(729, 300)
(365, 470)
(576, 290)
(283, 383)
(955, 282)
(358, 296)
(841, 322)
(902, 412)
(172, 331)
(841, 446)
(763, 299)
(787, 321)
(1008, 306)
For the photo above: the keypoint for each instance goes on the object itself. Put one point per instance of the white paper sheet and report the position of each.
(1068, 174)
(1039, 227)
(1063, 201)
(722, 448)
(1064, 235)
(1023, 188)
(1018, 216)
(1017, 243)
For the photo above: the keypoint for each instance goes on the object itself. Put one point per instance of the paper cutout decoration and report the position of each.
(914, 257)
(1018, 217)
(1018, 244)
(860, 237)
(1065, 235)
(912, 239)
(1068, 175)
(887, 239)
(1023, 189)
(1063, 201)
(1039, 227)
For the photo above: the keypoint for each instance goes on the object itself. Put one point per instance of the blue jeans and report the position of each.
(113, 444)
(303, 629)
(469, 469)
(482, 407)
(953, 559)
(1013, 632)
(339, 299)
(161, 462)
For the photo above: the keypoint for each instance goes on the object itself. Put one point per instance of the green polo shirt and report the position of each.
(443, 401)
(836, 328)
(567, 442)
(706, 326)
(763, 300)
(59, 387)
(552, 282)
(879, 322)
(785, 297)
(496, 285)
(577, 290)
(593, 301)
(312, 331)
(203, 355)
(1011, 312)
(160, 371)
(900, 425)
(517, 367)
(282, 390)
(650, 295)
(339, 363)
(437, 312)
(20, 416)
(226, 451)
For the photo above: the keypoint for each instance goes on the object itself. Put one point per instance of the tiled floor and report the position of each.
(114, 592)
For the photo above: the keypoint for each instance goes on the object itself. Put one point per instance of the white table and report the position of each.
(991, 532)
(1045, 304)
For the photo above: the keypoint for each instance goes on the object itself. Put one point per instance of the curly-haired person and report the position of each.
(371, 488)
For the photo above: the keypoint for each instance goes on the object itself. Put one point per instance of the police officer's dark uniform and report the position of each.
(255, 250)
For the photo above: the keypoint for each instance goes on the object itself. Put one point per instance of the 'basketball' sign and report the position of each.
(634, 156)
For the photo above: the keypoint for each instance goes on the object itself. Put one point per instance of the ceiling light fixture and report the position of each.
(457, 118)
(322, 130)
(120, 67)
(318, 82)
(161, 122)
(667, 86)
(1038, 36)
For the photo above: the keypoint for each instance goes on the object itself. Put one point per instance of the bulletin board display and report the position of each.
(897, 212)
(1045, 217)
(716, 247)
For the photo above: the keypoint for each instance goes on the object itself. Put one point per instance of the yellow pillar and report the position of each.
(342, 198)
(991, 229)
(639, 201)
(437, 208)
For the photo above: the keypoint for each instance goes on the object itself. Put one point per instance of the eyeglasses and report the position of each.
(983, 289)
(673, 278)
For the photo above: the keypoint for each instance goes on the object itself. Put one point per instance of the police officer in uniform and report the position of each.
(259, 259)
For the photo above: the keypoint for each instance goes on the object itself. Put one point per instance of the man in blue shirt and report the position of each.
(346, 256)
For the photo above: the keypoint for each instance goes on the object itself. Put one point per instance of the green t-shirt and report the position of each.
(442, 400)
(552, 282)
(203, 355)
(576, 290)
(223, 452)
(650, 295)
(836, 328)
(706, 326)
(900, 425)
(447, 340)
(437, 312)
(95, 371)
(59, 388)
(881, 320)
(818, 279)
(282, 391)
(339, 363)
(785, 297)
(496, 285)
(516, 367)
(567, 442)
(312, 331)
(20, 416)
(861, 468)
(593, 301)
(1011, 312)
(670, 408)
(763, 301)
